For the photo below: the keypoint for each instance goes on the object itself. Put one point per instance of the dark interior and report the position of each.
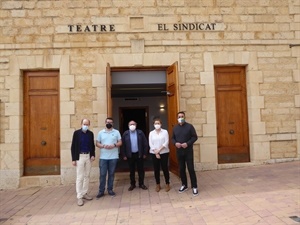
(138, 90)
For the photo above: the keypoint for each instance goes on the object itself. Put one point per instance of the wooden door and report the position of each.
(232, 116)
(172, 100)
(108, 91)
(41, 123)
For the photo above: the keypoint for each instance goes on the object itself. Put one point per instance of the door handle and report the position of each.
(43, 143)
(231, 132)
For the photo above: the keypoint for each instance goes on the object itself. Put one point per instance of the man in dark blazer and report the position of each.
(83, 153)
(134, 150)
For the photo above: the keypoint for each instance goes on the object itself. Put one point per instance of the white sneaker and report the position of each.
(195, 192)
(183, 189)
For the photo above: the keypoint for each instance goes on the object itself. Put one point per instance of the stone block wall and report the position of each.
(34, 35)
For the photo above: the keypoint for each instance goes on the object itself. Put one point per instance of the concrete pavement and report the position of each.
(266, 194)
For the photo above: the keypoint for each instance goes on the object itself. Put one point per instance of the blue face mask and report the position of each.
(84, 128)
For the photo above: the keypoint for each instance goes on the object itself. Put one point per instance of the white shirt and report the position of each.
(159, 139)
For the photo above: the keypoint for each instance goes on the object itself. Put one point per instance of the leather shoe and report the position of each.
(143, 187)
(157, 189)
(79, 202)
(99, 195)
(168, 187)
(131, 187)
(87, 197)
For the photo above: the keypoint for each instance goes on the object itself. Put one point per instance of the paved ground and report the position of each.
(267, 194)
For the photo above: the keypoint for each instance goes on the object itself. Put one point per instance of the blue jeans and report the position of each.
(107, 167)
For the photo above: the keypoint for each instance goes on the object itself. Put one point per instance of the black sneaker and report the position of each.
(195, 192)
(99, 195)
(111, 193)
(183, 189)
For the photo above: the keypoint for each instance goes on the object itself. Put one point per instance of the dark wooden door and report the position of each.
(41, 123)
(232, 116)
(172, 100)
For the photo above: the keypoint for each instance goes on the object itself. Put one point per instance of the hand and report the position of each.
(74, 163)
(157, 156)
(178, 145)
(108, 146)
(184, 145)
(125, 158)
(156, 151)
(92, 158)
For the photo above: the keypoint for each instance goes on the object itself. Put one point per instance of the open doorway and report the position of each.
(140, 116)
(155, 88)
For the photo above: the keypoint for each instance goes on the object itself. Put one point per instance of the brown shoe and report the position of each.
(167, 187)
(157, 189)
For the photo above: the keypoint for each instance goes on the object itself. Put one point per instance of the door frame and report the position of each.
(172, 69)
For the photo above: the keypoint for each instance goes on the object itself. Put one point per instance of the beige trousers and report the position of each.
(83, 169)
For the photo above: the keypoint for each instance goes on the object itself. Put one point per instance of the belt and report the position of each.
(85, 153)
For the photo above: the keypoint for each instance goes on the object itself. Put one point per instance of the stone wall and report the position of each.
(257, 34)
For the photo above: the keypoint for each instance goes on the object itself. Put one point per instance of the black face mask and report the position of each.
(108, 126)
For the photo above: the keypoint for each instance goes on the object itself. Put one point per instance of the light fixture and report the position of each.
(162, 107)
(167, 93)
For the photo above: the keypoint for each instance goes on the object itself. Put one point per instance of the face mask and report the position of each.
(180, 120)
(157, 126)
(132, 127)
(85, 128)
(108, 125)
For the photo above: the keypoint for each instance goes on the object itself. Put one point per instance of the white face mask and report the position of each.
(132, 127)
(157, 126)
(180, 120)
(85, 128)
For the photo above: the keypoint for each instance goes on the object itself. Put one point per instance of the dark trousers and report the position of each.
(162, 163)
(185, 159)
(136, 162)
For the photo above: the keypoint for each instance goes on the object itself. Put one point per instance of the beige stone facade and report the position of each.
(262, 35)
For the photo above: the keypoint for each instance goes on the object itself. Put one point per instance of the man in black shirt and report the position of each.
(184, 136)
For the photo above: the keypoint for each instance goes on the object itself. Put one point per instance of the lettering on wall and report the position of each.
(186, 26)
(91, 28)
(107, 28)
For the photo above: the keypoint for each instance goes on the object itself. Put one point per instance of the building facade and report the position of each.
(233, 66)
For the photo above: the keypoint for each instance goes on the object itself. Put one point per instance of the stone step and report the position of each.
(40, 181)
